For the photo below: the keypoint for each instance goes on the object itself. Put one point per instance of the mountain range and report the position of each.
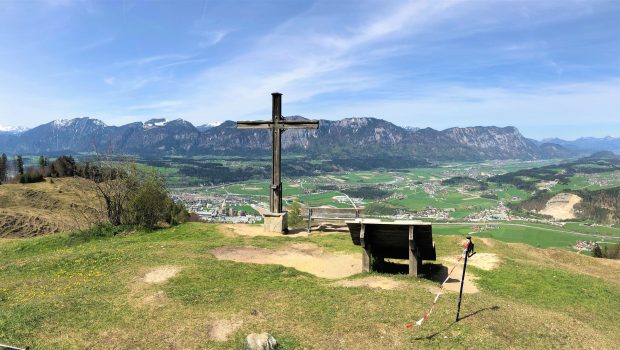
(589, 144)
(345, 138)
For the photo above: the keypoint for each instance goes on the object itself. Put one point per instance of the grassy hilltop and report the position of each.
(85, 291)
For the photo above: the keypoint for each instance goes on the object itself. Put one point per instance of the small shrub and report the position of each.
(597, 252)
(31, 176)
(97, 232)
(294, 215)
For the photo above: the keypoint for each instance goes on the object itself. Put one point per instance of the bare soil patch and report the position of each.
(161, 274)
(484, 261)
(375, 282)
(487, 241)
(470, 198)
(246, 230)
(454, 282)
(250, 230)
(157, 299)
(306, 257)
(560, 206)
(221, 330)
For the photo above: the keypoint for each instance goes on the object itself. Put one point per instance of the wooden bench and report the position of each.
(401, 239)
(330, 214)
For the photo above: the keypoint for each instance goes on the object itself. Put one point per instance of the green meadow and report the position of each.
(80, 290)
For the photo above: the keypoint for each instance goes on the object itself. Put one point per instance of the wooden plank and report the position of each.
(298, 124)
(415, 262)
(257, 124)
(281, 124)
(321, 210)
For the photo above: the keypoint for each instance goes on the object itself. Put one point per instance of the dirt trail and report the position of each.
(484, 261)
(246, 230)
(306, 257)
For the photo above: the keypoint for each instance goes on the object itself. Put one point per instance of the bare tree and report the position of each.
(115, 180)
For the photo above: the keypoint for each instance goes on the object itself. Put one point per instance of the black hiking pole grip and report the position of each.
(468, 250)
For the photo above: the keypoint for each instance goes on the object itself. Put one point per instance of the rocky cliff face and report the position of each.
(350, 137)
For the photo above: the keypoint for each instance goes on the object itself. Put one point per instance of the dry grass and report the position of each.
(41, 208)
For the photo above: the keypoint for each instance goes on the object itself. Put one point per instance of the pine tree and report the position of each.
(42, 162)
(3, 167)
(19, 162)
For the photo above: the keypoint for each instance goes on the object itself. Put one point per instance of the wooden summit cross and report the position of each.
(276, 219)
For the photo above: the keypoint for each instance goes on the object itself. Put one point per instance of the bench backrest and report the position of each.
(391, 240)
(332, 213)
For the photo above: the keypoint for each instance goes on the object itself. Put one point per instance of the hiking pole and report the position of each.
(469, 252)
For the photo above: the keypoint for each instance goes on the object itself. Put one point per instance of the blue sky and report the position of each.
(551, 68)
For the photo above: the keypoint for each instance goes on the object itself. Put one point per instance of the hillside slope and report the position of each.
(166, 289)
(40, 208)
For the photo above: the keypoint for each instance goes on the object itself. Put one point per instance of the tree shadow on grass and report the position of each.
(431, 336)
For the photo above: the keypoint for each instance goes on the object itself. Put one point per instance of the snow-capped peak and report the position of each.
(155, 122)
(12, 129)
(61, 122)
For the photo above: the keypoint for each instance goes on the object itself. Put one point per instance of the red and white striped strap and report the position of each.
(430, 310)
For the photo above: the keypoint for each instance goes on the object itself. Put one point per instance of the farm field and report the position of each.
(406, 185)
(541, 236)
(167, 289)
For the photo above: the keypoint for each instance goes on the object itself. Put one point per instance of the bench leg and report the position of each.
(366, 259)
(366, 254)
(415, 261)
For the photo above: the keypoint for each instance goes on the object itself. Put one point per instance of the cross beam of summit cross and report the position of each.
(277, 124)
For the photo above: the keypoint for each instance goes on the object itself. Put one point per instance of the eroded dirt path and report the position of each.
(306, 257)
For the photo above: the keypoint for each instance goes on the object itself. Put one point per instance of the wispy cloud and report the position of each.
(538, 110)
(305, 62)
(142, 61)
(210, 38)
(95, 44)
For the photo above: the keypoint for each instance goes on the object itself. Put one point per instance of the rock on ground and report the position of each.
(262, 341)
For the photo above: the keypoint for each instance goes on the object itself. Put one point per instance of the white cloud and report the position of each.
(537, 109)
(304, 62)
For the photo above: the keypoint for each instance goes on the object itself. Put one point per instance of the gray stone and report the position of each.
(263, 341)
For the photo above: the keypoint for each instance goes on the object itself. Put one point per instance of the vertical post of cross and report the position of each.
(275, 195)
